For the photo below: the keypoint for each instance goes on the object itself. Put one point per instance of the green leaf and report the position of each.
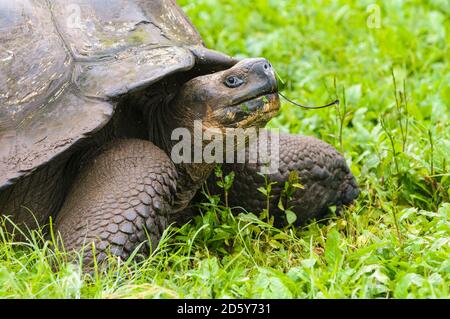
(245, 108)
(269, 285)
(229, 180)
(332, 252)
(308, 263)
(263, 214)
(218, 171)
(280, 205)
(262, 190)
(290, 216)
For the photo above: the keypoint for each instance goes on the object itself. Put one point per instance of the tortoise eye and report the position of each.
(233, 81)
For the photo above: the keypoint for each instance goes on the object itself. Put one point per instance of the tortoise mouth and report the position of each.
(265, 102)
(253, 112)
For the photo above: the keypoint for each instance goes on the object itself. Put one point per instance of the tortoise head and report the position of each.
(242, 96)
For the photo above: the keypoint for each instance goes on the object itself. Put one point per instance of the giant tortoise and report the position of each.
(90, 94)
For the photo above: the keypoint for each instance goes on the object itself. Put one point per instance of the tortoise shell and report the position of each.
(63, 64)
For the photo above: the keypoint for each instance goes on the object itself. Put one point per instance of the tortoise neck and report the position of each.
(173, 129)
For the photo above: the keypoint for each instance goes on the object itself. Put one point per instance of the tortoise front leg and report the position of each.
(119, 197)
(323, 172)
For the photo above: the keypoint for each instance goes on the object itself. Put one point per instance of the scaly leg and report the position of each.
(322, 171)
(119, 197)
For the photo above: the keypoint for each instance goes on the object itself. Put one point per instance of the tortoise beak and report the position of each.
(262, 81)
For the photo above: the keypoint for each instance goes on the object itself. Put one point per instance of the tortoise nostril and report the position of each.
(266, 66)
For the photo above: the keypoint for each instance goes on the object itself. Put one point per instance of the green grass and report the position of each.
(393, 243)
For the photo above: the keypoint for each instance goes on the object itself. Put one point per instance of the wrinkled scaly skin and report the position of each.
(120, 197)
(322, 171)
